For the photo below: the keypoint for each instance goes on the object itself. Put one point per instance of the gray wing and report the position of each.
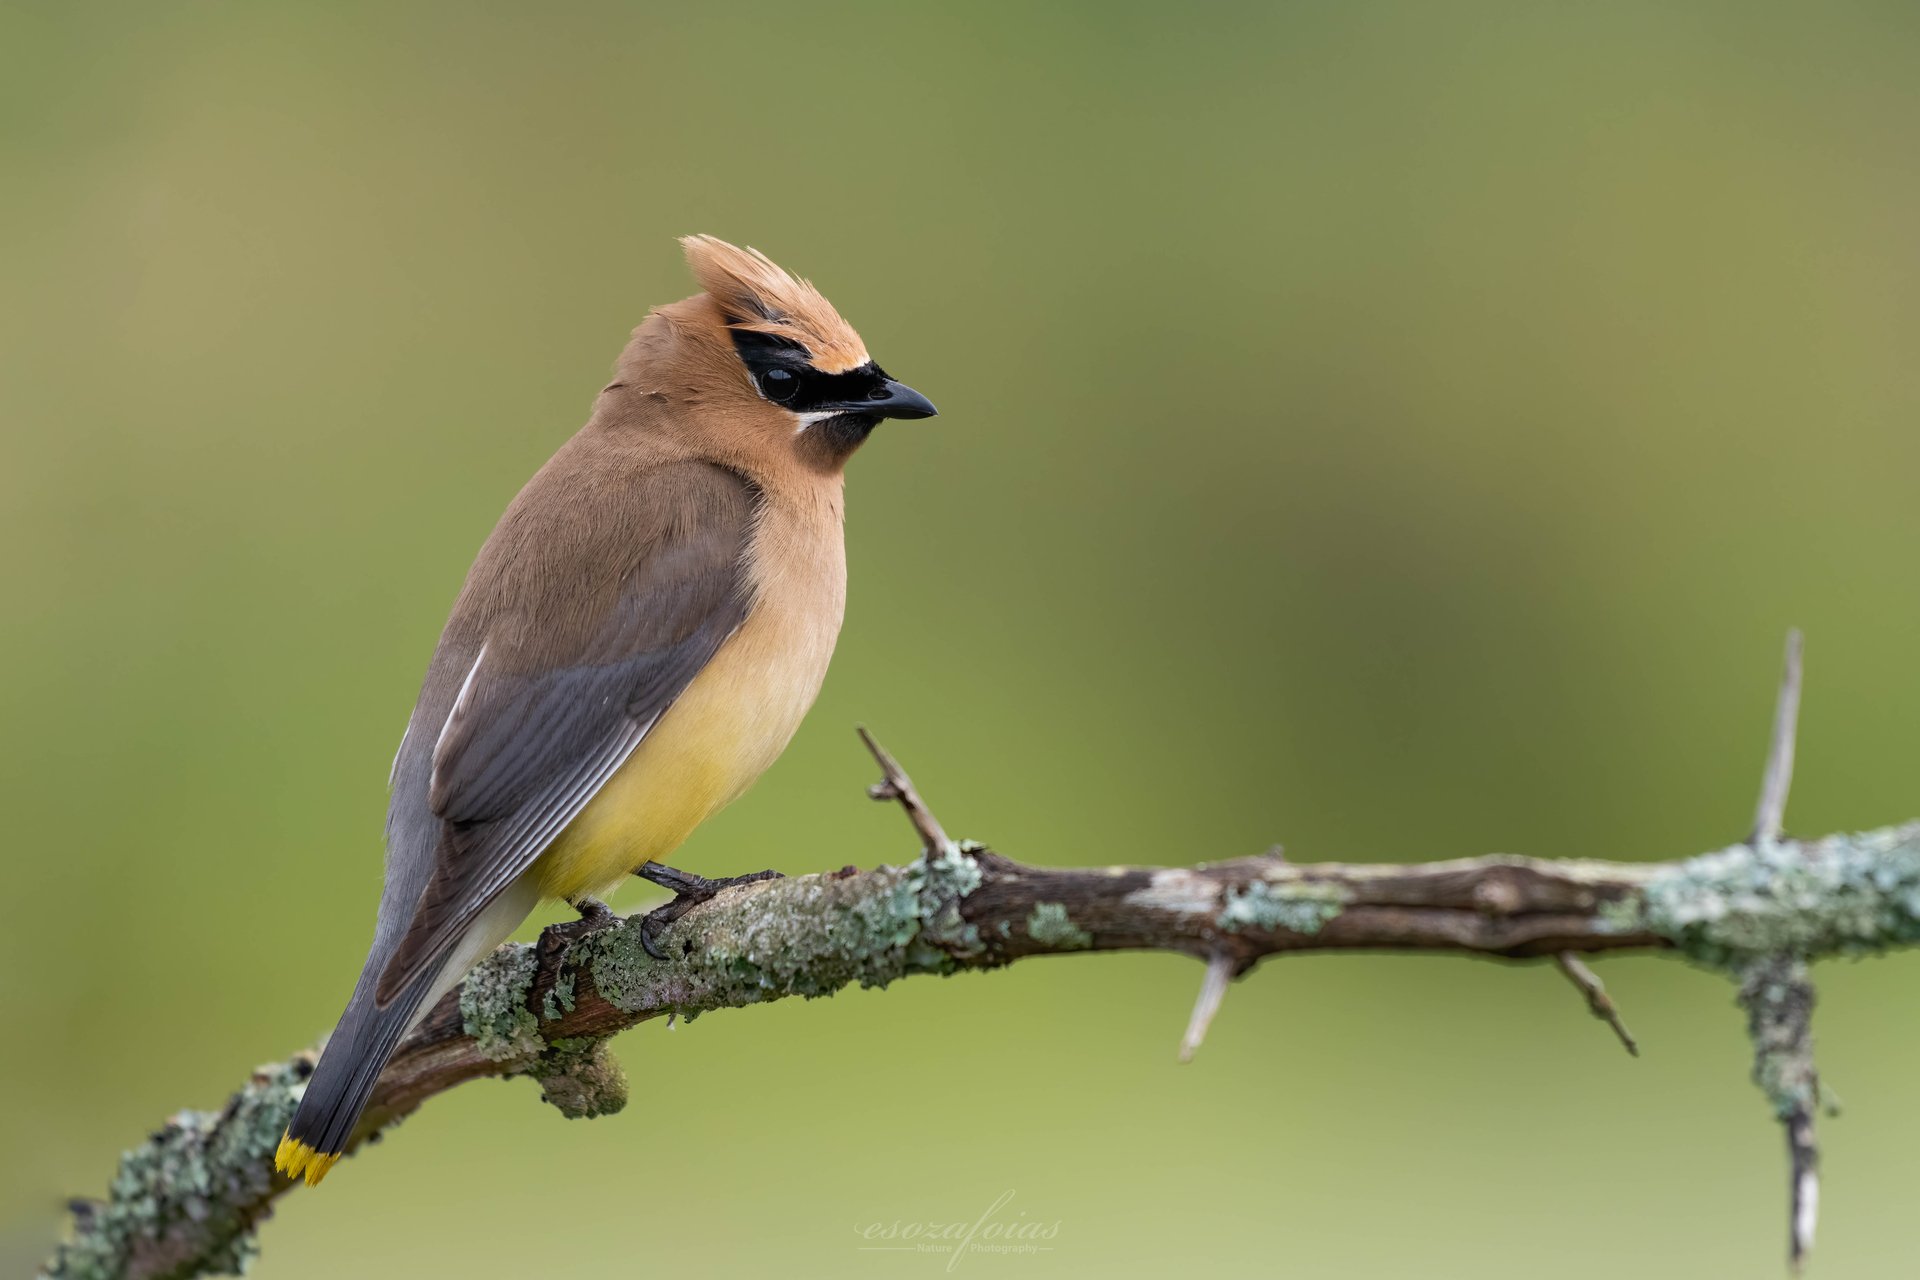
(570, 674)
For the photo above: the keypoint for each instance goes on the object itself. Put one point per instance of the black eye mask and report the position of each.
(784, 372)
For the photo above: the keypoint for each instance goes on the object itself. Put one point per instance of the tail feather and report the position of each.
(295, 1159)
(364, 1042)
(341, 1084)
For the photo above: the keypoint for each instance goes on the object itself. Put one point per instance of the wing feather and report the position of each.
(552, 706)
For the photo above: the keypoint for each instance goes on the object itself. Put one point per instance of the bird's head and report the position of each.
(765, 358)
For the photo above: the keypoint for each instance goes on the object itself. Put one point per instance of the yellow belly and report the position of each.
(733, 721)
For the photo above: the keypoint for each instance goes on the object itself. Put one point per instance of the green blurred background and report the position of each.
(1397, 430)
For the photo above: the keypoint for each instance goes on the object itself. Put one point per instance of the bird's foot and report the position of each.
(689, 891)
(595, 915)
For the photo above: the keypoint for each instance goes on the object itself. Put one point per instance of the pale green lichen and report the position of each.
(807, 937)
(580, 1076)
(940, 883)
(185, 1202)
(1302, 907)
(1049, 925)
(559, 998)
(493, 1004)
(1777, 993)
(1844, 895)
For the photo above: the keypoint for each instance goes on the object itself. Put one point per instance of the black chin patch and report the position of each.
(845, 432)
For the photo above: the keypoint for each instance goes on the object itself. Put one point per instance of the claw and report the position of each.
(595, 915)
(689, 891)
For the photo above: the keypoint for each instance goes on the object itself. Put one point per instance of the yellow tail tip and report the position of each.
(295, 1159)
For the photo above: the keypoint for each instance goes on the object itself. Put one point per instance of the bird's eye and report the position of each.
(779, 384)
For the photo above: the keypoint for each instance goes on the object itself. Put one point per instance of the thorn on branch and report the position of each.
(1598, 1001)
(1213, 989)
(1778, 779)
(1777, 993)
(896, 785)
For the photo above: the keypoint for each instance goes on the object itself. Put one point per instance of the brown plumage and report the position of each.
(636, 642)
(759, 297)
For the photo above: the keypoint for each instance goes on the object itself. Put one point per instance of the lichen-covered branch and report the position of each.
(1777, 993)
(186, 1202)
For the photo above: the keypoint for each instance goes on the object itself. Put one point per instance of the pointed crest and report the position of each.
(758, 296)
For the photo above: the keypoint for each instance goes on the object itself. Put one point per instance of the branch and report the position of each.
(187, 1201)
(1777, 994)
(1599, 1003)
(894, 784)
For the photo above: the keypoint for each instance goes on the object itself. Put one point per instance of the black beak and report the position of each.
(895, 400)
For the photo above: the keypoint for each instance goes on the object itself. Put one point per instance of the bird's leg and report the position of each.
(595, 915)
(689, 891)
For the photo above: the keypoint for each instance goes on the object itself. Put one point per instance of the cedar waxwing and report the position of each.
(637, 641)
